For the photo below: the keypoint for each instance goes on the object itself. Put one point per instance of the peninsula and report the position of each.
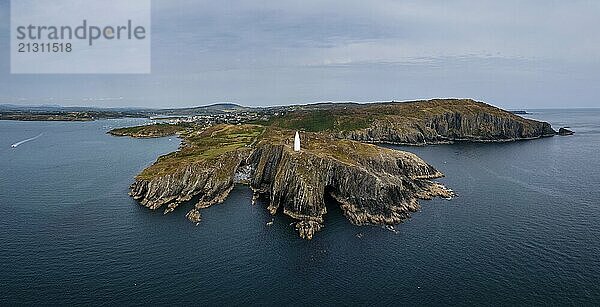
(371, 184)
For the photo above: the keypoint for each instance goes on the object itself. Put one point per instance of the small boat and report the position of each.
(269, 223)
(26, 140)
(391, 228)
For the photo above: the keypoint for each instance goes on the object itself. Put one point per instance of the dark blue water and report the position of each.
(524, 230)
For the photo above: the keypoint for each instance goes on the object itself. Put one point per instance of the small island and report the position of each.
(372, 185)
(66, 114)
(156, 130)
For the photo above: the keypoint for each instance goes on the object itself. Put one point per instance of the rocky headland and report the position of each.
(437, 121)
(153, 131)
(372, 185)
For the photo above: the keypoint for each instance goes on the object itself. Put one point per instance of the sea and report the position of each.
(524, 229)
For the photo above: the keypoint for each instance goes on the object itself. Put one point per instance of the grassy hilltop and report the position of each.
(350, 117)
(372, 184)
(330, 127)
(204, 145)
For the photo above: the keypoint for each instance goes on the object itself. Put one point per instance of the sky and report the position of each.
(512, 54)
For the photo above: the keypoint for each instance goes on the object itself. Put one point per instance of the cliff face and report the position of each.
(208, 181)
(372, 185)
(450, 127)
(375, 189)
(204, 168)
(417, 122)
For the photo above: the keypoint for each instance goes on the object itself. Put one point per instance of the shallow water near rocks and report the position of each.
(524, 229)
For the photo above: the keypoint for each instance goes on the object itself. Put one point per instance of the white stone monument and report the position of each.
(297, 142)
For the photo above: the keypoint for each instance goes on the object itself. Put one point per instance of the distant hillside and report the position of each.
(414, 122)
(210, 109)
(57, 112)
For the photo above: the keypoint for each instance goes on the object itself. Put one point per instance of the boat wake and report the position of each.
(25, 141)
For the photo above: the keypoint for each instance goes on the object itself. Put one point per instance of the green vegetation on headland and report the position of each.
(416, 122)
(154, 130)
(319, 120)
(203, 145)
(413, 122)
(373, 185)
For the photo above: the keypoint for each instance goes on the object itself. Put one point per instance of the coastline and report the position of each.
(333, 163)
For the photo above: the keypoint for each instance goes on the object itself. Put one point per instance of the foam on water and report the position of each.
(26, 140)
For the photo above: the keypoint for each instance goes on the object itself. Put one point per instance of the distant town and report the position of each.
(223, 113)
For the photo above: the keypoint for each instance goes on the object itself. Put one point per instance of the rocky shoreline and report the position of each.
(372, 185)
(381, 188)
(470, 121)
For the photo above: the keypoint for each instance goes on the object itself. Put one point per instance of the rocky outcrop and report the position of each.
(207, 182)
(194, 216)
(565, 131)
(372, 185)
(379, 189)
(451, 127)
(153, 130)
(416, 122)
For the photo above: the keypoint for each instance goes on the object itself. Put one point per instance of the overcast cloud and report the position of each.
(514, 54)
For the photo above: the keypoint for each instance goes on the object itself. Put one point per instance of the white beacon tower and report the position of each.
(297, 142)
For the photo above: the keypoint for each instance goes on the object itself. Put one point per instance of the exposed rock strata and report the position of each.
(379, 189)
(373, 185)
(416, 124)
(449, 128)
(208, 181)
